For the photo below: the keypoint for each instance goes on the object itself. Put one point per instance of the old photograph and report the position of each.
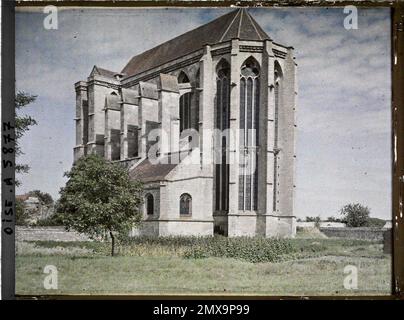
(192, 151)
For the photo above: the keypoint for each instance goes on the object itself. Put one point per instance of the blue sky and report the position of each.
(343, 117)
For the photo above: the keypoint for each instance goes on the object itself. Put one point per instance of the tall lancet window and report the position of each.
(222, 123)
(249, 116)
(185, 111)
(278, 88)
(185, 104)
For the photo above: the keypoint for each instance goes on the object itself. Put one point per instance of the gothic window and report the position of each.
(115, 144)
(185, 205)
(222, 122)
(133, 141)
(149, 204)
(185, 111)
(197, 98)
(277, 89)
(249, 116)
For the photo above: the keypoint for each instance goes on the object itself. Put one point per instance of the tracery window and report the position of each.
(277, 89)
(185, 111)
(222, 122)
(249, 127)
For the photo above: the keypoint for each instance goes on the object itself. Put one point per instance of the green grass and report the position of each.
(314, 266)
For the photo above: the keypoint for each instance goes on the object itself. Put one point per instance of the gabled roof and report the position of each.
(236, 24)
(102, 72)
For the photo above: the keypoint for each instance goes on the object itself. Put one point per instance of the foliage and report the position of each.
(257, 249)
(99, 198)
(21, 215)
(316, 220)
(249, 249)
(355, 215)
(44, 197)
(52, 221)
(333, 219)
(23, 123)
(313, 219)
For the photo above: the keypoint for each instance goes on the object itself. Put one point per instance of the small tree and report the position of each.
(99, 198)
(355, 215)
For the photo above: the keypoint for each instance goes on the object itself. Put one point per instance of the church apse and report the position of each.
(216, 107)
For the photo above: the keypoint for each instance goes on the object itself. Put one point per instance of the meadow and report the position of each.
(306, 265)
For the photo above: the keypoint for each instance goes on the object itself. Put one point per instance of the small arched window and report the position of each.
(149, 204)
(185, 205)
(183, 78)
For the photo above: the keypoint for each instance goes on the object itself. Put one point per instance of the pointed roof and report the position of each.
(102, 72)
(236, 24)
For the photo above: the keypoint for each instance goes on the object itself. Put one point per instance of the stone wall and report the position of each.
(374, 234)
(47, 234)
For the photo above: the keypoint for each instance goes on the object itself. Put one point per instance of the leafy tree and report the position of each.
(355, 215)
(44, 197)
(100, 198)
(23, 123)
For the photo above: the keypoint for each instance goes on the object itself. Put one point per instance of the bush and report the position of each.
(355, 215)
(52, 221)
(244, 248)
(249, 249)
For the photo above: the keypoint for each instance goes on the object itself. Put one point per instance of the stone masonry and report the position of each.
(166, 104)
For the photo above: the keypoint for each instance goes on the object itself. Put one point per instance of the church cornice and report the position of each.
(251, 48)
(279, 54)
(103, 84)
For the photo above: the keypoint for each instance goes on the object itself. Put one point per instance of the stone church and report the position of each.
(207, 122)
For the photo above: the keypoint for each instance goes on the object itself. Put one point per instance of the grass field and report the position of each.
(316, 266)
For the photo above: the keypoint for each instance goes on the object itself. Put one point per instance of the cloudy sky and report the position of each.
(343, 144)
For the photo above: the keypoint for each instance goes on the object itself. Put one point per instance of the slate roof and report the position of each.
(236, 24)
(103, 72)
(148, 172)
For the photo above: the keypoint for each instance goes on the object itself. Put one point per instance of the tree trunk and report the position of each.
(112, 244)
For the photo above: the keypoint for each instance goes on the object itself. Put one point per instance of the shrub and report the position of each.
(52, 221)
(249, 249)
(355, 215)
